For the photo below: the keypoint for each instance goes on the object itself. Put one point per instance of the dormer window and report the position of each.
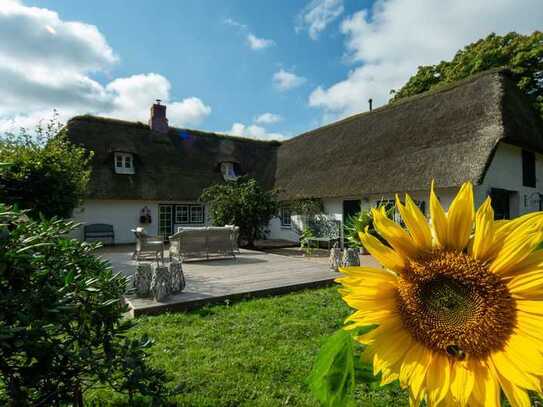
(228, 171)
(124, 163)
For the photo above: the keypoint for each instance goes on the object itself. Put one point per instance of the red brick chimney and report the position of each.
(158, 121)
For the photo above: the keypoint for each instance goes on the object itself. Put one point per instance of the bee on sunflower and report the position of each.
(458, 303)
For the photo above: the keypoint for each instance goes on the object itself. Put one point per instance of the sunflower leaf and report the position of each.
(332, 379)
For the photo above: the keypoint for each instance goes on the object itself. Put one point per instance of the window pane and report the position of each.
(182, 214)
(285, 217)
(119, 161)
(196, 214)
(127, 161)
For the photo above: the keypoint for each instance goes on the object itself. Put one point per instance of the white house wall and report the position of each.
(123, 215)
(505, 172)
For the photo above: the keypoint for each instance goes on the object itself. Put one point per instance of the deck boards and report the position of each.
(251, 274)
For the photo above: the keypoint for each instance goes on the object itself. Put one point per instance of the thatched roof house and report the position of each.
(481, 129)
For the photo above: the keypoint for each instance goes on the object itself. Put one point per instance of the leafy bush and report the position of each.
(355, 224)
(61, 319)
(242, 203)
(46, 173)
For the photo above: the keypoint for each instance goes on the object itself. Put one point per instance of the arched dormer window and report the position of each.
(228, 171)
(124, 163)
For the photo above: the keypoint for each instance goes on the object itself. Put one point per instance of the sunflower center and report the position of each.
(453, 304)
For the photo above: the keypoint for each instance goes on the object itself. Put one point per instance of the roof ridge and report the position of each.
(120, 122)
(391, 105)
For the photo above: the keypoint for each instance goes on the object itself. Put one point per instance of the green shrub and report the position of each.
(46, 173)
(61, 319)
(242, 203)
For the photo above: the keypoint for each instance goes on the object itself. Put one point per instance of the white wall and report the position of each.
(505, 172)
(334, 208)
(123, 215)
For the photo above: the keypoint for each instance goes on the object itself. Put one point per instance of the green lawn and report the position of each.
(252, 353)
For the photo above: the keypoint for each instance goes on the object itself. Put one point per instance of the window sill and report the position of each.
(286, 227)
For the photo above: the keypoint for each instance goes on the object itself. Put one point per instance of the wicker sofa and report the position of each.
(203, 242)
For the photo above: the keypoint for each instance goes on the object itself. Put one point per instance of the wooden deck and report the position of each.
(251, 274)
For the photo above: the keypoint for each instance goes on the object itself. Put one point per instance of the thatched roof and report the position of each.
(175, 166)
(448, 135)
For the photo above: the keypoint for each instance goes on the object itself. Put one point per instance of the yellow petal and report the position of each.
(437, 379)
(516, 396)
(513, 373)
(518, 244)
(484, 231)
(394, 234)
(416, 223)
(532, 262)
(438, 219)
(462, 382)
(527, 284)
(414, 368)
(389, 347)
(383, 254)
(486, 389)
(525, 353)
(460, 218)
(530, 306)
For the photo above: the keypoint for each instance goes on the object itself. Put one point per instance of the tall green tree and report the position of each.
(47, 174)
(522, 54)
(242, 203)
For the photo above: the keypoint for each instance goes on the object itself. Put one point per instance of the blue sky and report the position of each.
(327, 57)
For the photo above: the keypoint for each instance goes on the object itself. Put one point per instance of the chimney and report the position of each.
(158, 121)
(371, 104)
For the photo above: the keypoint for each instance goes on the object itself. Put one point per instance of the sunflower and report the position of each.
(458, 303)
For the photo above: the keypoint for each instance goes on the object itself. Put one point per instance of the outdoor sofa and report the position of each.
(203, 242)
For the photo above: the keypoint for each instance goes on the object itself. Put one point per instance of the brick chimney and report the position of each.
(158, 121)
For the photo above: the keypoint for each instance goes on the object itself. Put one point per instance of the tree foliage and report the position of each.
(46, 173)
(242, 203)
(61, 319)
(522, 54)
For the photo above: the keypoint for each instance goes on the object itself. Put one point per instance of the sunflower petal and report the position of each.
(384, 254)
(518, 245)
(460, 218)
(438, 219)
(437, 379)
(462, 382)
(414, 368)
(416, 223)
(486, 389)
(516, 396)
(394, 234)
(513, 373)
(527, 285)
(484, 231)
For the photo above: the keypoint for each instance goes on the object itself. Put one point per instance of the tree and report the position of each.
(61, 319)
(522, 54)
(47, 174)
(242, 203)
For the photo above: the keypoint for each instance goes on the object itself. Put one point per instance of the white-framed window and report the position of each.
(286, 217)
(189, 214)
(228, 171)
(124, 163)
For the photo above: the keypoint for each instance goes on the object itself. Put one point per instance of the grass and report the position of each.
(252, 353)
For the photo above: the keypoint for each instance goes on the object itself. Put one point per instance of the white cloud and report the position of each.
(253, 131)
(316, 16)
(256, 43)
(233, 23)
(47, 63)
(285, 80)
(268, 118)
(395, 38)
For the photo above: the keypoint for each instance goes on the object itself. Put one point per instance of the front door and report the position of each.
(165, 220)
